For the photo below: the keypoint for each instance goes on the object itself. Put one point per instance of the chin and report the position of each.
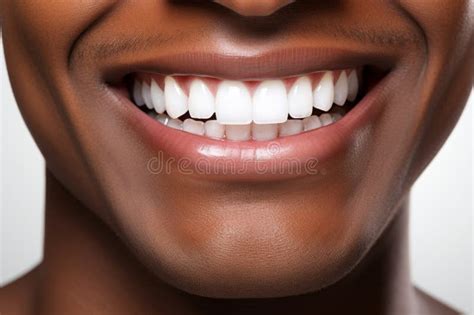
(251, 253)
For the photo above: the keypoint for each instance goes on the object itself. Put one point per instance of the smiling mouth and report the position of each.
(247, 110)
(277, 110)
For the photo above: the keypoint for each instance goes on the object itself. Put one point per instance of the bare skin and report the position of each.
(108, 280)
(121, 241)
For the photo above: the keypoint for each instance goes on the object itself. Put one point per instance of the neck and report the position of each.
(87, 269)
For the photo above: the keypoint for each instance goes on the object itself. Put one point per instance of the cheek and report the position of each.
(48, 28)
(444, 22)
(37, 36)
(43, 114)
(448, 29)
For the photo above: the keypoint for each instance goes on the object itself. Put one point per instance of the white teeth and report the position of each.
(256, 132)
(137, 94)
(157, 97)
(326, 119)
(341, 89)
(147, 95)
(264, 132)
(201, 100)
(241, 116)
(300, 98)
(324, 92)
(175, 98)
(291, 127)
(163, 119)
(353, 83)
(167, 121)
(214, 130)
(175, 124)
(310, 123)
(238, 132)
(270, 103)
(233, 103)
(193, 126)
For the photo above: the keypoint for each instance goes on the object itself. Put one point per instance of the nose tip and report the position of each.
(253, 7)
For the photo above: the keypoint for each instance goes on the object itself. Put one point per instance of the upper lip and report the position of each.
(248, 65)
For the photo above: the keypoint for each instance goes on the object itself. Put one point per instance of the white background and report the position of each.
(441, 214)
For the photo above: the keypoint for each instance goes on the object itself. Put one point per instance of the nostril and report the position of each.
(254, 8)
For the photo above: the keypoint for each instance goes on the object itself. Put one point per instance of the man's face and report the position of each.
(324, 195)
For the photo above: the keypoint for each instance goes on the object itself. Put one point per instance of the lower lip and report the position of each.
(295, 156)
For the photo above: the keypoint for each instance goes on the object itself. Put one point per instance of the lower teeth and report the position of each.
(213, 129)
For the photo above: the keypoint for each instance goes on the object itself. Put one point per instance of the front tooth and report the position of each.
(175, 98)
(291, 127)
(233, 103)
(238, 132)
(157, 97)
(264, 132)
(311, 123)
(326, 119)
(353, 83)
(147, 95)
(341, 89)
(300, 98)
(201, 100)
(193, 126)
(270, 103)
(214, 129)
(324, 92)
(137, 94)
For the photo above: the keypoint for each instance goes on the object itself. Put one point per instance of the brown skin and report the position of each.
(345, 234)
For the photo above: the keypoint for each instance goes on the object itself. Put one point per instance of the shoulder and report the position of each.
(18, 297)
(429, 305)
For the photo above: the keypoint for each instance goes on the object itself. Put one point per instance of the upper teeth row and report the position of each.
(233, 103)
